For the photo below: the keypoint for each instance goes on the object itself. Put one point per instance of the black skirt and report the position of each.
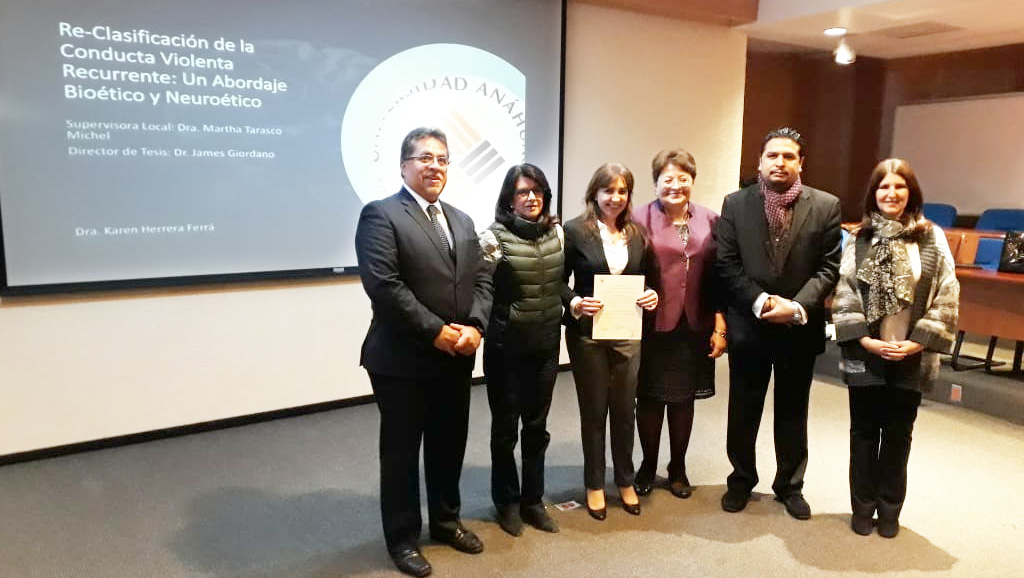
(675, 367)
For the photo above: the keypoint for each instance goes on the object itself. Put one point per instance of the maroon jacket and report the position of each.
(679, 291)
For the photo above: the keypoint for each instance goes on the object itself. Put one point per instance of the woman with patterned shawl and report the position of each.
(895, 310)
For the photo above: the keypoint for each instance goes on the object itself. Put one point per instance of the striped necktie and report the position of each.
(432, 210)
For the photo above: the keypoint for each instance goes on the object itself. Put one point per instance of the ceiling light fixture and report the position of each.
(844, 53)
(835, 32)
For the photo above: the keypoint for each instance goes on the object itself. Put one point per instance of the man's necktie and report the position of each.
(432, 210)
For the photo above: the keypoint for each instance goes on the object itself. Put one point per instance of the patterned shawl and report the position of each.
(886, 270)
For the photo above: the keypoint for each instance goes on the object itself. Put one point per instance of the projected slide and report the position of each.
(143, 140)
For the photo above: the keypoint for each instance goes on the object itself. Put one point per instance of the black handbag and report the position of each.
(1012, 259)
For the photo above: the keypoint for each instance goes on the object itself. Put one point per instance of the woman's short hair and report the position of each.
(678, 157)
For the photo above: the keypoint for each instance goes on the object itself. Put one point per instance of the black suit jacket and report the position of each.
(584, 258)
(807, 271)
(415, 287)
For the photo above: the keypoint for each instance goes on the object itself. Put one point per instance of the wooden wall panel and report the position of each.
(848, 113)
(837, 109)
(769, 102)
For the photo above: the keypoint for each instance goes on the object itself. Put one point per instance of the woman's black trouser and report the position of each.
(606, 374)
(519, 386)
(881, 424)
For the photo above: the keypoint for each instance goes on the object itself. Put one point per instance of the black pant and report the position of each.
(434, 411)
(881, 424)
(606, 374)
(749, 371)
(519, 387)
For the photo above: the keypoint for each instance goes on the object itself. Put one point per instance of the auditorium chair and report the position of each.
(941, 214)
(1001, 220)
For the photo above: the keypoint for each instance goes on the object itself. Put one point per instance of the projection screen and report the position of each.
(145, 141)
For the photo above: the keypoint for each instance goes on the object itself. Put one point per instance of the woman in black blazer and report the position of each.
(605, 240)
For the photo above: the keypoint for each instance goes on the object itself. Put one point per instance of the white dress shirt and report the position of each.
(423, 203)
(616, 253)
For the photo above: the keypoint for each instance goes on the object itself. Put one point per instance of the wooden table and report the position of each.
(991, 303)
(963, 243)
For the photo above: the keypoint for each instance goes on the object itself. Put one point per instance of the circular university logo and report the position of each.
(475, 97)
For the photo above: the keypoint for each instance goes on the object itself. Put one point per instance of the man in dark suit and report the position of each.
(778, 256)
(421, 265)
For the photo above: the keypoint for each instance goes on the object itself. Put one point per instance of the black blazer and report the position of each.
(415, 287)
(807, 273)
(584, 258)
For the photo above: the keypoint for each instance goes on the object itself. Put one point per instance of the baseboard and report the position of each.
(184, 430)
(158, 434)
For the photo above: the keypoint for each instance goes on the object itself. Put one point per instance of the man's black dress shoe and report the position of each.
(680, 488)
(735, 500)
(509, 520)
(411, 562)
(796, 505)
(536, 516)
(862, 524)
(888, 528)
(460, 538)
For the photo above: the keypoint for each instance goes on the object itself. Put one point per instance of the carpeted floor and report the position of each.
(297, 498)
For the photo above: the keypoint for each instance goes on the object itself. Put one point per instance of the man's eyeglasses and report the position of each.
(428, 160)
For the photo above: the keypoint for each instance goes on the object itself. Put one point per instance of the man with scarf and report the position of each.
(778, 255)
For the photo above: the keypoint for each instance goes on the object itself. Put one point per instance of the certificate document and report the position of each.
(621, 317)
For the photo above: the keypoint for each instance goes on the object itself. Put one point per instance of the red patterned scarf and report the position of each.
(776, 204)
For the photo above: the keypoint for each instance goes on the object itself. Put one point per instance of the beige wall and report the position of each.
(79, 368)
(636, 84)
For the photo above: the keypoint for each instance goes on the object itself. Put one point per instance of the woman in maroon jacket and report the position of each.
(688, 330)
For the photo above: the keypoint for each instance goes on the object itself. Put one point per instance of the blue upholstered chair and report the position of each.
(941, 214)
(1001, 220)
(989, 251)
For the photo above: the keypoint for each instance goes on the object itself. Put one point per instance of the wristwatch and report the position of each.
(798, 317)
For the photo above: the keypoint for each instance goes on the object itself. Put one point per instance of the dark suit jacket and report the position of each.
(807, 273)
(683, 288)
(584, 258)
(416, 288)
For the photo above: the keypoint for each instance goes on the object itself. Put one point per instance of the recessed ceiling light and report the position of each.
(835, 31)
(844, 53)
